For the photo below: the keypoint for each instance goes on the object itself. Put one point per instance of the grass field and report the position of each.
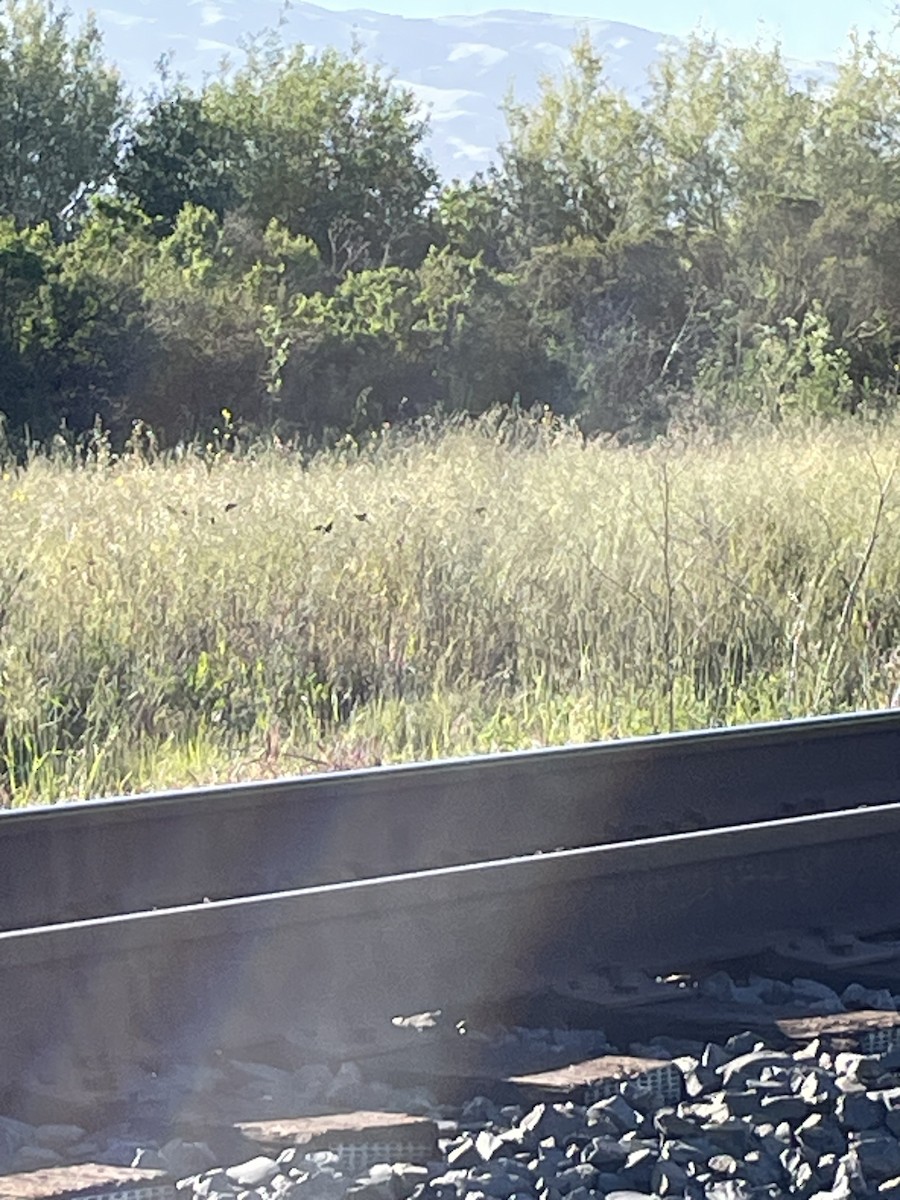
(215, 616)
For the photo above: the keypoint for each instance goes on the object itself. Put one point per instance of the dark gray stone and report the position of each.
(804, 1181)
(439, 1190)
(849, 1178)
(617, 1110)
(700, 1081)
(58, 1137)
(859, 1111)
(819, 1134)
(761, 1170)
(855, 996)
(816, 1087)
(729, 1189)
(890, 1098)
(638, 1167)
(363, 1189)
(380, 1182)
(743, 1104)
(714, 1056)
(321, 1185)
(669, 1124)
(742, 1043)
(513, 1169)
(640, 1100)
(187, 1158)
(712, 1108)
(890, 1060)
(556, 1121)
(35, 1158)
(811, 992)
(783, 1108)
(464, 1154)
(581, 1176)
(865, 1068)
(211, 1184)
(878, 1155)
(549, 1159)
(609, 1181)
(731, 1137)
(668, 1179)
(479, 1111)
(118, 1152)
(500, 1187)
(455, 1183)
(604, 1152)
(687, 1153)
(13, 1136)
(149, 1160)
(407, 1178)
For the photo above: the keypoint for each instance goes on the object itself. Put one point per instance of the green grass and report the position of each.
(181, 620)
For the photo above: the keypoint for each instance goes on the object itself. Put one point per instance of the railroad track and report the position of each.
(325, 907)
(98, 858)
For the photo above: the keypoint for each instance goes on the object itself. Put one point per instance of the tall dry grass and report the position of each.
(217, 615)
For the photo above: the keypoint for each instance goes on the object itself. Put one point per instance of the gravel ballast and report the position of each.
(816, 1119)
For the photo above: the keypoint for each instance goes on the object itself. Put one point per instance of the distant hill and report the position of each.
(460, 67)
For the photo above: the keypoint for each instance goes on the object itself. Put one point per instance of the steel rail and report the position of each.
(94, 858)
(342, 955)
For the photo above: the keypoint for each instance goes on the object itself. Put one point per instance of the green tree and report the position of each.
(574, 164)
(177, 155)
(330, 148)
(26, 256)
(61, 110)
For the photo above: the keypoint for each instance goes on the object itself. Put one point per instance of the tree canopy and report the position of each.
(277, 242)
(61, 111)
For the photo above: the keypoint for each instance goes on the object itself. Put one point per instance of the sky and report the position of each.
(808, 29)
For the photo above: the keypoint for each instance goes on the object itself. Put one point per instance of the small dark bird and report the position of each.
(323, 528)
(361, 516)
(481, 510)
(230, 505)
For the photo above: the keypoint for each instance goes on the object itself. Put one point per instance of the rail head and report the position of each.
(636, 750)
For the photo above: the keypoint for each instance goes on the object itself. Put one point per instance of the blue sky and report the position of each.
(807, 28)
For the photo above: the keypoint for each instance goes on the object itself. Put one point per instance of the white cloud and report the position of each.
(486, 55)
(468, 152)
(211, 44)
(126, 20)
(211, 14)
(562, 53)
(443, 103)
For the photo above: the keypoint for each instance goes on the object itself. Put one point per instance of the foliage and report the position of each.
(176, 155)
(61, 108)
(276, 243)
(327, 146)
